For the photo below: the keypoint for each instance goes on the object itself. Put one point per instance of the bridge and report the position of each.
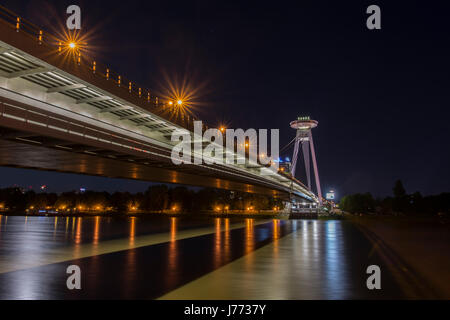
(61, 110)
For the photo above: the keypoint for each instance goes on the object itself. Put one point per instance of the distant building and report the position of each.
(285, 166)
(331, 195)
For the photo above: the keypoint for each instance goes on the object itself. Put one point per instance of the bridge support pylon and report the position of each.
(304, 139)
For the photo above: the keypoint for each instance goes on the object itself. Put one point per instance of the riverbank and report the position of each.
(207, 214)
(420, 247)
(264, 215)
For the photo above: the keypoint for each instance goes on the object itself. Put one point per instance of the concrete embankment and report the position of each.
(422, 246)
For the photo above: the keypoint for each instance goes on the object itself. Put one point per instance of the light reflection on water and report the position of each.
(277, 260)
(227, 244)
(249, 242)
(172, 255)
(310, 262)
(132, 230)
(218, 243)
(96, 231)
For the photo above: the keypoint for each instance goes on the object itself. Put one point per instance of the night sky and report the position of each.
(381, 97)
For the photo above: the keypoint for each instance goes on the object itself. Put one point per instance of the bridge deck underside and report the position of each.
(22, 155)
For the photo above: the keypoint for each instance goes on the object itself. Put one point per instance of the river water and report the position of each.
(187, 258)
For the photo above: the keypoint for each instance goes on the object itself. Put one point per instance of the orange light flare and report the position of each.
(181, 96)
(133, 207)
(223, 125)
(72, 43)
(71, 39)
(223, 128)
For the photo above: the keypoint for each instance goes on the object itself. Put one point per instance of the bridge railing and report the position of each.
(80, 56)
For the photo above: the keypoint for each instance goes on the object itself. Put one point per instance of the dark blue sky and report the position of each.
(381, 97)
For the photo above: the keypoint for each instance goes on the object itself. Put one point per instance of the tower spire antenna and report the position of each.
(304, 138)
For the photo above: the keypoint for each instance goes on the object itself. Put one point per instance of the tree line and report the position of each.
(157, 198)
(399, 203)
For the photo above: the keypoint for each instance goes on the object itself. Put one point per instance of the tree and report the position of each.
(416, 202)
(120, 201)
(358, 203)
(400, 203)
(181, 198)
(157, 198)
(399, 190)
(66, 200)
